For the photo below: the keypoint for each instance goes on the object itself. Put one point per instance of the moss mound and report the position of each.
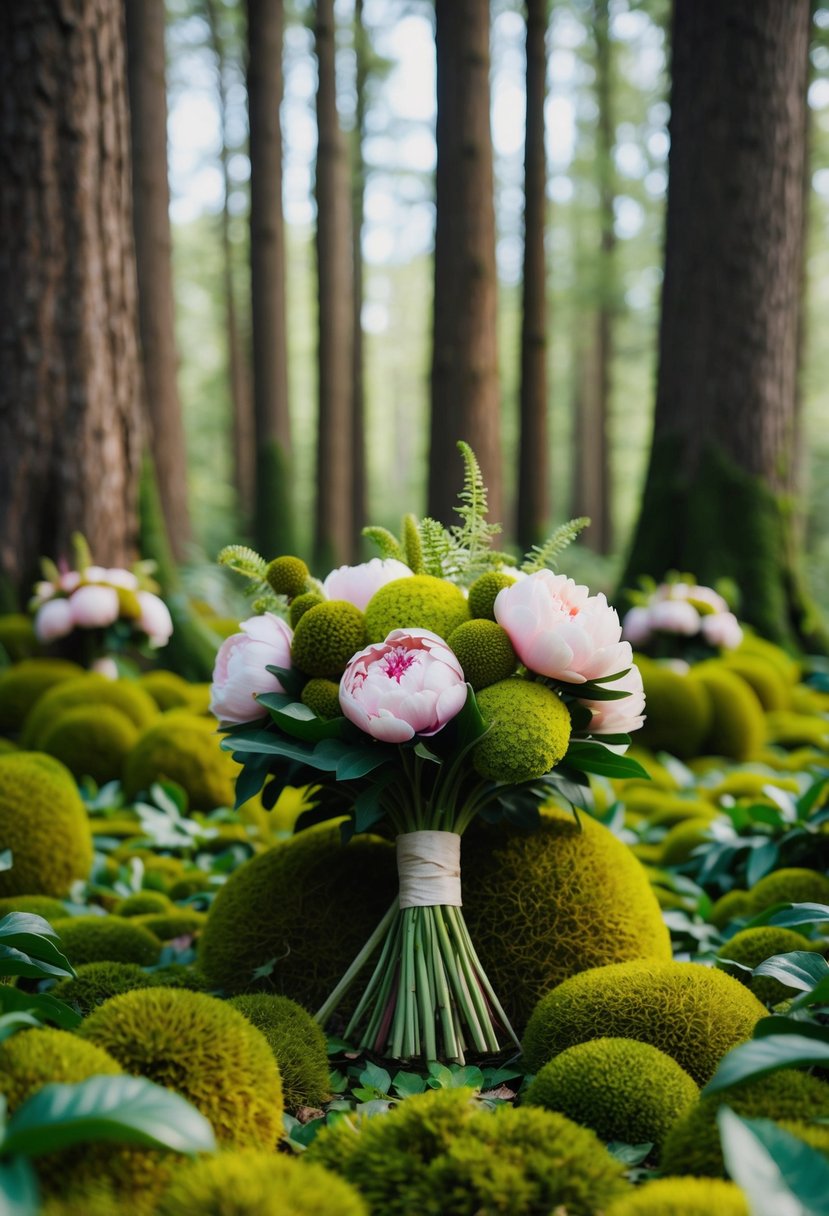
(442, 1152)
(31, 1059)
(202, 1049)
(87, 690)
(544, 905)
(484, 591)
(298, 1043)
(787, 729)
(323, 697)
(683, 1197)
(682, 839)
(792, 884)
(693, 1144)
(144, 903)
(106, 939)
(22, 685)
(484, 651)
(678, 715)
(752, 947)
(693, 1013)
(734, 905)
(738, 726)
(327, 637)
(44, 823)
(773, 691)
(183, 748)
(168, 690)
(775, 655)
(17, 637)
(419, 602)
(92, 741)
(746, 783)
(256, 1184)
(97, 982)
(529, 731)
(306, 906)
(36, 905)
(622, 1089)
(165, 926)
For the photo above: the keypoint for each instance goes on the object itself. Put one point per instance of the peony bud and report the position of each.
(54, 620)
(240, 671)
(94, 607)
(357, 584)
(155, 619)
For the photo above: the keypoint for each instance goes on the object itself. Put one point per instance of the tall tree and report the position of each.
(273, 520)
(146, 75)
(70, 412)
(333, 535)
(362, 56)
(533, 460)
(717, 497)
(465, 391)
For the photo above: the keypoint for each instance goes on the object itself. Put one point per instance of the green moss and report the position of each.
(88, 690)
(327, 637)
(168, 690)
(44, 824)
(97, 982)
(683, 1197)
(788, 729)
(678, 712)
(144, 903)
(752, 947)
(693, 1145)
(183, 922)
(529, 731)
(323, 697)
(622, 1089)
(91, 740)
(288, 576)
(184, 749)
(106, 939)
(484, 651)
(420, 602)
(680, 810)
(301, 604)
(483, 592)
(743, 783)
(734, 905)
(253, 1184)
(682, 839)
(772, 689)
(189, 884)
(693, 1013)
(22, 685)
(297, 1042)
(780, 659)
(31, 1059)
(737, 725)
(36, 905)
(305, 907)
(203, 1049)
(442, 1154)
(792, 884)
(17, 637)
(546, 904)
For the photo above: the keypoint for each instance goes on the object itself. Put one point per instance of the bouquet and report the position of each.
(680, 619)
(434, 684)
(99, 613)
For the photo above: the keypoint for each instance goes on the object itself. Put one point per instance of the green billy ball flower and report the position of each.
(323, 696)
(300, 605)
(327, 636)
(288, 576)
(484, 651)
(420, 602)
(483, 591)
(529, 731)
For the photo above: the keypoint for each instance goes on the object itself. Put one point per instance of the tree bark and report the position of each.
(533, 459)
(721, 474)
(333, 537)
(146, 75)
(70, 406)
(273, 522)
(465, 390)
(359, 493)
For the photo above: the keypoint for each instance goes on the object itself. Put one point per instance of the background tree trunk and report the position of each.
(333, 537)
(465, 390)
(534, 461)
(70, 412)
(720, 479)
(146, 75)
(359, 493)
(273, 520)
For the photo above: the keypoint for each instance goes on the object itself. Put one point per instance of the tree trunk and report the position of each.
(333, 537)
(70, 406)
(359, 493)
(721, 475)
(273, 524)
(465, 390)
(146, 75)
(534, 461)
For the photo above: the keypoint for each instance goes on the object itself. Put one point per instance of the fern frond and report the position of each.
(473, 536)
(387, 543)
(269, 601)
(543, 557)
(411, 544)
(242, 560)
(438, 547)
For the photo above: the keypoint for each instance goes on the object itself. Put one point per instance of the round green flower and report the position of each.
(483, 591)
(323, 696)
(484, 651)
(301, 604)
(529, 730)
(288, 576)
(420, 602)
(327, 637)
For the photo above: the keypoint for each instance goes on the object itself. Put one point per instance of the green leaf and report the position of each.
(440, 1077)
(128, 1110)
(777, 1023)
(768, 1054)
(292, 681)
(630, 1154)
(780, 1174)
(802, 969)
(407, 1084)
(368, 808)
(6, 860)
(469, 723)
(27, 948)
(10, 1023)
(337, 1081)
(42, 1004)
(386, 542)
(594, 758)
(300, 722)
(18, 1188)
(467, 1075)
(791, 915)
(375, 1078)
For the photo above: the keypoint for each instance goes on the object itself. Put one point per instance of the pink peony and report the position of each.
(622, 716)
(94, 607)
(241, 666)
(105, 667)
(722, 629)
(69, 580)
(155, 619)
(357, 584)
(116, 577)
(675, 616)
(411, 684)
(53, 620)
(636, 626)
(560, 630)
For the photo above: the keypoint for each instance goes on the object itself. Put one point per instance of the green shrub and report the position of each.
(773, 654)
(183, 922)
(44, 824)
(788, 729)
(144, 903)
(86, 690)
(298, 1043)
(17, 637)
(682, 839)
(31, 1059)
(682, 1197)
(183, 748)
(793, 884)
(168, 690)
(678, 712)
(97, 982)
(693, 1013)
(752, 947)
(106, 939)
(22, 685)
(38, 905)
(737, 727)
(734, 905)
(91, 740)
(774, 691)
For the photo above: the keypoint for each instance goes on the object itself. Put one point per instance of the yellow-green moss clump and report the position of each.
(682, 839)
(91, 740)
(327, 637)
(529, 731)
(484, 651)
(106, 939)
(305, 908)
(693, 1144)
(787, 729)
(297, 1042)
(17, 637)
(44, 824)
(288, 576)
(773, 691)
(734, 905)
(168, 690)
(682, 1197)
(693, 1013)
(31, 1059)
(748, 783)
(323, 697)
(144, 903)
(419, 602)
(182, 922)
(679, 712)
(544, 905)
(201, 1048)
(22, 685)
(484, 591)
(791, 885)
(185, 749)
(622, 1089)
(738, 726)
(36, 905)
(301, 604)
(444, 1152)
(256, 1184)
(750, 947)
(88, 690)
(97, 982)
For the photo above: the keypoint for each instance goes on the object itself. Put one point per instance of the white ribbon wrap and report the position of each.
(429, 869)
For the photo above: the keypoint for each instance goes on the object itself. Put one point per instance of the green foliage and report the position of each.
(143, 903)
(791, 884)
(107, 939)
(387, 543)
(168, 690)
(737, 727)
(412, 546)
(44, 824)
(326, 638)
(297, 1042)
(37, 905)
(17, 637)
(250, 565)
(529, 730)
(545, 557)
(777, 1170)
(682, 1197)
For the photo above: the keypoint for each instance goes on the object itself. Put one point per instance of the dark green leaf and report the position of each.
(630, 1154)
(292, 681)
(469, 722)
(300, 722)
(776, 1024)
(18, 1188)
(761, 860)
(779, 1173)
(467, 1075)
(10, 1023)
(801, 969)
(765, 1055)
(594, 758)
(46, 1007)
(6, 860)
(375, 1078)
(407, 1084)
(791, 915)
